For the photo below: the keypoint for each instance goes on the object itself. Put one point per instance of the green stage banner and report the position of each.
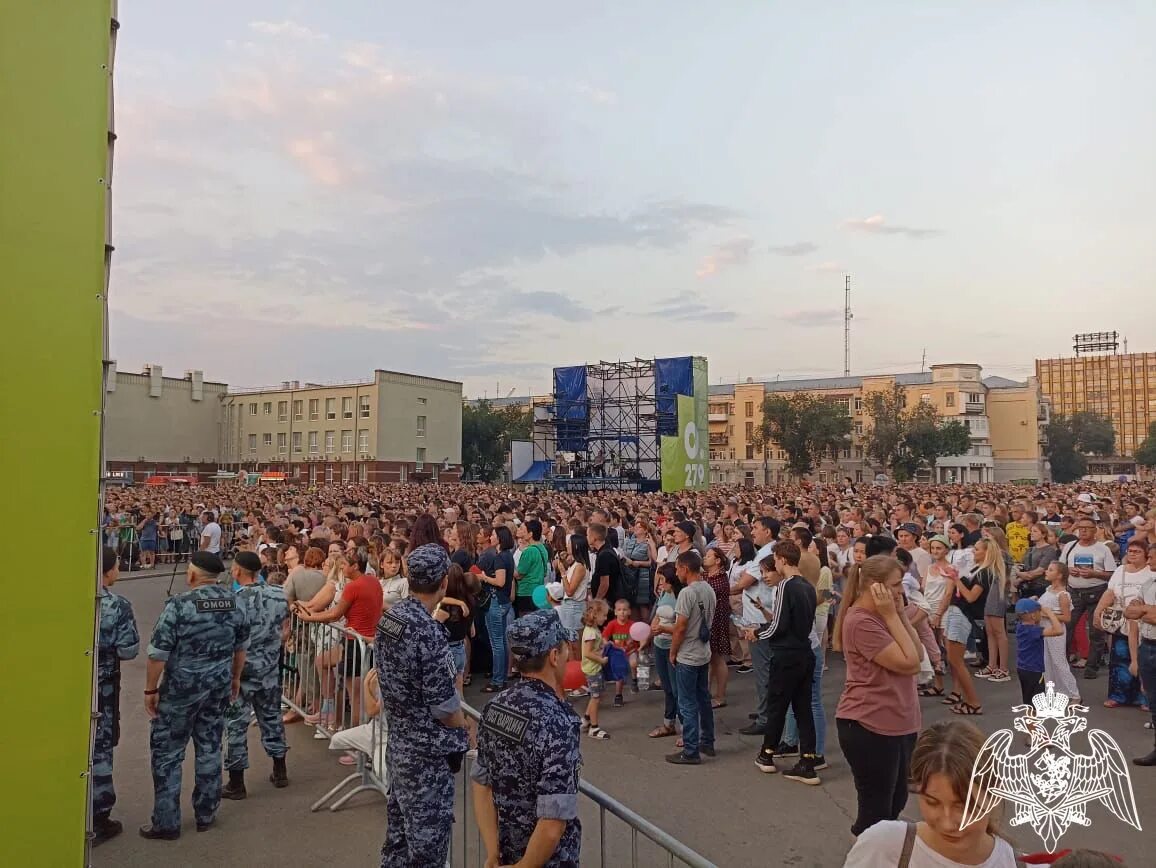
(686, 457)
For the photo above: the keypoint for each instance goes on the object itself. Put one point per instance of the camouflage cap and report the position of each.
(536, 633)
(428, 565)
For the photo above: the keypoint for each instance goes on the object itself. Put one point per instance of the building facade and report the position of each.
(158, 425)
(1004, 417)
(393, 427)
(1119, 387)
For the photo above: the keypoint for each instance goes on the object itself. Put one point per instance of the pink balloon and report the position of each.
(639, 631)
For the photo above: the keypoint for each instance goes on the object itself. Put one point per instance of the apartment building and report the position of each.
(1005, 418)
(155, 424)
(1120, 387)
(391, 427)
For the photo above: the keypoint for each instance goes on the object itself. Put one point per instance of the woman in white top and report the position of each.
(575, 585)
(941, 767)
(1057, 599)
(1123, 641)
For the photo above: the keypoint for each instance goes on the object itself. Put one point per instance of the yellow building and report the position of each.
(1005, 418)
(1120, 387)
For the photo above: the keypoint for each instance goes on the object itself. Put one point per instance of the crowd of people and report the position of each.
(589, 597)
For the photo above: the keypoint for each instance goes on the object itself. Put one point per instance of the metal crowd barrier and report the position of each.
(323, 670)
(673, 851)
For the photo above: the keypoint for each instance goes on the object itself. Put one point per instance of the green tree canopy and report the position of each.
(905, 440)
(1146, 451)
(805, 427)
(486, 436)
(1094, 434)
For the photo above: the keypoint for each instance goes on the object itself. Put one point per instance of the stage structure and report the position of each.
(637, 425)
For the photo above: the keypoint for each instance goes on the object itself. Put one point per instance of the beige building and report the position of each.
(155, 424)
(1004, 416)
(1119, 387)
(392, 427)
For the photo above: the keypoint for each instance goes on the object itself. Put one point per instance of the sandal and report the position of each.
(466, 681)
(952, 698)
(661, 732)
(598, 733)
(986, 672)
(1111, 703)
(1079, 664)
(967, 710)
(718, 703)
(931, 691)
(492, 688)
(679, 744)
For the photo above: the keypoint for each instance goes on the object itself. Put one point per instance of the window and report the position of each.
(951, 399)
(330, 408)
(363, 441)
(266, 439)
(282, 411)
(420, 456)
(252, 444)
(750, 430)
(858, 475)
(974, 398)
(346, 408)
(313, 450)
(750, 409)
(750, 452)
(858, 451)
(253, 409)
(296, 441)
(925, 398)
(296, 471)
(297, 414)
(282, 444)
(858, 405)
(421, 401)
(363, 403)
(346, 441)
(346, 472)
(328, 472)
(329, 441)
(363, 473)
(267, 408)
(421, 426)
(858, 427)
(314, 415)
(846, 451)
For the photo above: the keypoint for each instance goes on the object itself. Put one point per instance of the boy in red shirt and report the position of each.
(617, 633)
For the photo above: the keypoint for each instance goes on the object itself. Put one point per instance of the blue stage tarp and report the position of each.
(572, 408)
(672, 377)
(537, 472)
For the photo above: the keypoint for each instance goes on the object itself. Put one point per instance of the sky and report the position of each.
(484, 191)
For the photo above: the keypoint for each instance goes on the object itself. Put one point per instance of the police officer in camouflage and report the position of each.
(268, 615)
(198, 645)
(427, 736)
(525, 779)
(118, 640)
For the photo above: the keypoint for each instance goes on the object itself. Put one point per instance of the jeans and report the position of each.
(1146, 660)
(694, 707)
(1084, 601)
(761, 660)
(880, 765)
(791, 729)
(665, 670)
(790, 686)
(497, 620)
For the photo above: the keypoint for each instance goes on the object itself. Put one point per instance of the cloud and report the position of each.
(313, 155)
(291, 29)
(685, 306)
(799, 248)
(826, 267)
(737, 251)
(877, 225)
(812, 318)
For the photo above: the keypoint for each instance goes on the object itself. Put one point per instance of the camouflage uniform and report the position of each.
(196, 636)
(416, 674)
(119, 640)
(265, 609)
(528, 752)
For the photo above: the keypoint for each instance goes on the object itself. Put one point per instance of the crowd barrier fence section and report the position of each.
(324, 669)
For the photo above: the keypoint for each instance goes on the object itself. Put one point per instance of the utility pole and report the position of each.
(923, 363)
(847, 326)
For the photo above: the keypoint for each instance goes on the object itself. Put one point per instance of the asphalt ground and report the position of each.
(725, 809)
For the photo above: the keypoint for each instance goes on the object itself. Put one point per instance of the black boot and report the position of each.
(104, 829)
(1149, 760)
(235, 788)
(280, 776)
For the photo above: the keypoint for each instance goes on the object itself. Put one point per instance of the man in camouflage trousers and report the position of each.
(199, 645)
(268, 615)
(118, 640)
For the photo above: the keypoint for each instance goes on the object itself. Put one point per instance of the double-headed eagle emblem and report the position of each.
(1050, 785)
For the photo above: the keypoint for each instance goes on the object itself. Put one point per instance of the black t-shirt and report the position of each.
(973, 610)
(462, 558)
(606, 563)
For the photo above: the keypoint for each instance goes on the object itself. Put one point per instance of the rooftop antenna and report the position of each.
(923, 362)
(1125, 346)
(847, 326)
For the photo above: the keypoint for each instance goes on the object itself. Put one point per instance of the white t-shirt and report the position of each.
(1097, 556)
(1126, 586)
(213, 531)
(580, 592)
(882, 845)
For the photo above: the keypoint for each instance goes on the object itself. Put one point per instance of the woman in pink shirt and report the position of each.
(878, 715)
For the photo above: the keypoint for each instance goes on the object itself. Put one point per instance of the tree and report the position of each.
(906, 441)
(486, 436)
(805, 427)
(1146, 451)
(1070, 438)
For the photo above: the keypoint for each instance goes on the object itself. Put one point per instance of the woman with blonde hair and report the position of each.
(941, 775)
(878, 714)
(993, 571)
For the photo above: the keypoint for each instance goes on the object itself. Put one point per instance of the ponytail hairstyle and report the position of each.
(876, 570)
